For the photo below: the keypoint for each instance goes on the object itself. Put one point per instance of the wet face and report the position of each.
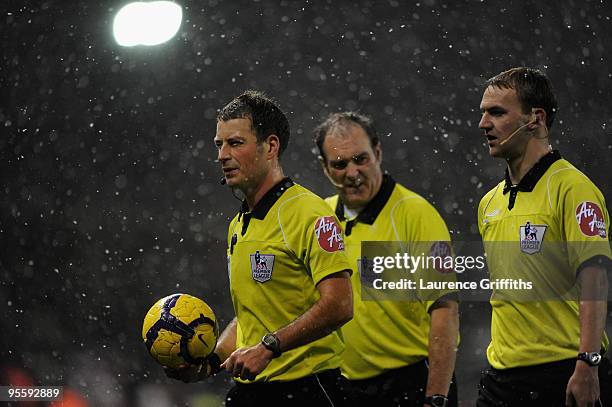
(502, 114)
(352, 165)
(242, 159)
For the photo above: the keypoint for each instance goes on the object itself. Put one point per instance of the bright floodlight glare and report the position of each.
(150, 23)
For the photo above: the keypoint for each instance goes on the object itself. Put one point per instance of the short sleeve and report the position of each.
(585, 223)
(428, 236)
(312, 232)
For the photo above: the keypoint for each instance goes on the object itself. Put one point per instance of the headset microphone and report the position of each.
(341, 185)
(334, 183)
(534, 121)
(223, 181)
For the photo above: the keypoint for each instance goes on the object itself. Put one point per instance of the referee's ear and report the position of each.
(273, 146)
(378, 152)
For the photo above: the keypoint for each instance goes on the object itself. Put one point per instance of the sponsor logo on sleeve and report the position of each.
(329, 234)
(532, 237)
(441, 251)
(590, 219)
(366, 273)
(262, 266)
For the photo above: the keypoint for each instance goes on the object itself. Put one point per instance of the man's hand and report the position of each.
(583, 387)
(189, 373)
(247, 363)
(195, 373)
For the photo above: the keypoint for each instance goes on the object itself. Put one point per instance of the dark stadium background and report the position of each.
(109, 193)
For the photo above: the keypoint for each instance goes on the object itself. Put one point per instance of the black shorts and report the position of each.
(539, 385)
(404, 386)
(328, 388)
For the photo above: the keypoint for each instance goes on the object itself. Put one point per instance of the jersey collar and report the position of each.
(529, 181)
(369, 214)
(266, 202)
(264, 205)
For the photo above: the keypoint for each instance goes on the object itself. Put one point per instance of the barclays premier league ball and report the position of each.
(180, 329)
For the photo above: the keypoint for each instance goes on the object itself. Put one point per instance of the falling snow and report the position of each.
(110, 194)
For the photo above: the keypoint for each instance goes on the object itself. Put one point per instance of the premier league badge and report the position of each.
(532, 237)
(262, 266)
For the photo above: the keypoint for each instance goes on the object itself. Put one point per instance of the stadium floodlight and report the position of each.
(147, 23)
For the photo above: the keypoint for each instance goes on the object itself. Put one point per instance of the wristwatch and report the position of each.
(590, 358)
(437, 400)
(271, 342)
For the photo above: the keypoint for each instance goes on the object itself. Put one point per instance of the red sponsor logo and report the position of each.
(441, 252)
(590, 219)
(329, 234)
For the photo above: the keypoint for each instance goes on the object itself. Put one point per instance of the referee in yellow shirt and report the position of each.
(289, 275)
(546, 222)
(398, 353)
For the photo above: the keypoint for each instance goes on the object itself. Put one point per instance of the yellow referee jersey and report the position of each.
(277, 253)
(549, 226)
(386, 335)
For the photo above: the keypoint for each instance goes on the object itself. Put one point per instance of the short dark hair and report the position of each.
(532, 87)
(266, 117)
(335, 120)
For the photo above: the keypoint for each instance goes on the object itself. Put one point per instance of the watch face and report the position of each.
(438, 401)
(271, 342)
(592, 358)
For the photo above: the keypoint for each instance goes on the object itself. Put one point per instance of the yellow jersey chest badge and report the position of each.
(262, 266)
(532, 237)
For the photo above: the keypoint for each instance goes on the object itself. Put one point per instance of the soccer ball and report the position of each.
(180, 329)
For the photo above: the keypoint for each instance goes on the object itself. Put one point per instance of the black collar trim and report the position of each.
(369, 214)
(266, 202)
(529, 181)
